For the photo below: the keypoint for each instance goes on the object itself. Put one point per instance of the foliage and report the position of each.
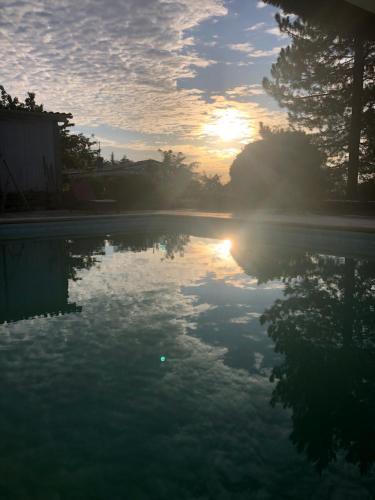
(313, 80)
(211, 184)
(338, 16)
(323, 326)
(82, 254)
(13, 103)
(124, 161)
(174, 166)
(77, 150)
(170, 182)
(209, 192)
(283, 168)
(169, 244)
(174, 176)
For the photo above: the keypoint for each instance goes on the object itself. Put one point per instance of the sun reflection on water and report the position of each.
(223, 249)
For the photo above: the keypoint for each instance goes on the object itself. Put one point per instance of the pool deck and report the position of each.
(329, 222)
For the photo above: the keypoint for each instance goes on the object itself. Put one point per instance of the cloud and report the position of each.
(245, 90)
(266, 53)
(117, 63)
(251, 51)
(255, 27)
(261, 5)
(275, 31)
(245, 47)
(209, 150)
(271, 30)
(210, 44)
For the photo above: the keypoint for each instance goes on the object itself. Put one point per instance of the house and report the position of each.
(30, 159)
(34, 279)
(144, 167)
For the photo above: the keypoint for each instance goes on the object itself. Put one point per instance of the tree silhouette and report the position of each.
(313, 79)
(172, 243)
(281, 168)
(13, 103)
(338, 20)
(325, 329)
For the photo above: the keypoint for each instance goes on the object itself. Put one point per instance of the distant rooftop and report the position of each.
(6, 114)
(138, 167)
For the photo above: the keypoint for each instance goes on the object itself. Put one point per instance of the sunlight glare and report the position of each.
(223, 249)
(228, 124)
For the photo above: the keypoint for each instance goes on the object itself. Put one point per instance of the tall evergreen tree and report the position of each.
(326, 80)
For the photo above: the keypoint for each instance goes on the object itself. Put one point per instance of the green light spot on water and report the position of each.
(163, 359)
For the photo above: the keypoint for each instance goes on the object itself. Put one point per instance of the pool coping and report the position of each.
(361, 224)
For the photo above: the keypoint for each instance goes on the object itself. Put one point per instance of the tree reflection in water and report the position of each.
(48, 265)
(86, 401)
(172, 243)
(324, 327)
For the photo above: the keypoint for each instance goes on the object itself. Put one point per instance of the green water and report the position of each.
(173, 366)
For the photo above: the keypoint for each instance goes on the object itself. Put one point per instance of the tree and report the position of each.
(174, 176)
(283, 168)
(211, 184)
(324, 327)
(176, 162)
(13, 103)
(125, 162)
(340, 23)
(77, 149)
(336, 16)
(208, 191)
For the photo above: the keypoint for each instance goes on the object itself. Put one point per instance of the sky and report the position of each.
(143, 75)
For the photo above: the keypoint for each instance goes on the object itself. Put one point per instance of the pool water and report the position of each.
(180, 366)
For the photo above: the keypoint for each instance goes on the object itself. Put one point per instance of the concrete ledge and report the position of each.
(340, 236)
(330, 222)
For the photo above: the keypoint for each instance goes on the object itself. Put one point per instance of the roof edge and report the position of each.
(363, 4)
(44, 115)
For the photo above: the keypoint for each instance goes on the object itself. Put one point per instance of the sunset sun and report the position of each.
(223, 249)
(228, 125)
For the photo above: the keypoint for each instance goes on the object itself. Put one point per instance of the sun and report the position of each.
(228, 125)
(223, 249)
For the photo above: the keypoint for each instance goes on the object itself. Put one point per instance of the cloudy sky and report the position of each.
(147, 74)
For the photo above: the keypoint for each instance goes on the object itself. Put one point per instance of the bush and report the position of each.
(282, 169)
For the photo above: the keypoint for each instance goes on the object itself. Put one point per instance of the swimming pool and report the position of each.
(187, 361)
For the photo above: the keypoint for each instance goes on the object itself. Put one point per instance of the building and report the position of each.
(30, 159)
(35, 279)
(144, 167)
